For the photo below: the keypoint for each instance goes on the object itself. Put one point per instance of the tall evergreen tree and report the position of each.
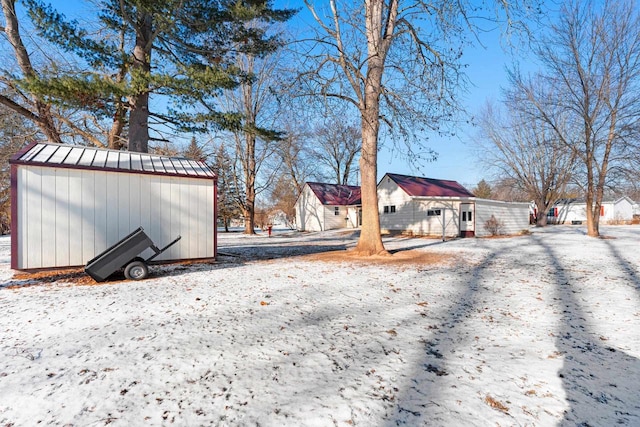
(483, 190)
(194, 151)
(180, 49)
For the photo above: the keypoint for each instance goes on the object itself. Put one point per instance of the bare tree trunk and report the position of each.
(250, 153)
(42, 117)
(141, 67)
(593, 200)
(592, 222)
(594, 230)
(370, 242)
(114, 138)
(347, 167)
(115, 141)
(378, 42)
(249, 206)
(541, 219)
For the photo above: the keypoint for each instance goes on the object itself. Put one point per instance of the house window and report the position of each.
(389, 209)
(464, 215)
(435, 212)
(336, 210)
(392, 208)
(386, 209)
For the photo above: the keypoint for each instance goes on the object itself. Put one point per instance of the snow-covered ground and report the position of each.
(537, 330)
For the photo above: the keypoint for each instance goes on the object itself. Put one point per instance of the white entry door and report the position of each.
(466, 219)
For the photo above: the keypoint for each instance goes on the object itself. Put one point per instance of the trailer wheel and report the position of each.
(136, 270)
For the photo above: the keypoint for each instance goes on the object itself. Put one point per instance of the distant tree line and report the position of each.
(573, 125)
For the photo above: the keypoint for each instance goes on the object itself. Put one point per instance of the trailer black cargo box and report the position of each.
(125, 254)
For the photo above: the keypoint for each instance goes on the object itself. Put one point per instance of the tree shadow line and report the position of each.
(601, 382)
(595, 394)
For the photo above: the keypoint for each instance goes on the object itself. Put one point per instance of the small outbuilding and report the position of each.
(328, 206)
(436, 207)
(69, 203)
(574, 211)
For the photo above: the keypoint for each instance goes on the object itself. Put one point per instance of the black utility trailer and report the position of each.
(125, 255)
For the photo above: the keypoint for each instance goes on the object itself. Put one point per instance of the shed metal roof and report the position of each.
(428, 187)
(80, 157)
(336, 195)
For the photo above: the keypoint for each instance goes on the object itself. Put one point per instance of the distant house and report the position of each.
(328, 206)
(572, 211)
(426, 206)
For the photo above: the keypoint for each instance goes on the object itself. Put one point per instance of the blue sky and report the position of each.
(457, 158)
(486, 72)
(456, 155)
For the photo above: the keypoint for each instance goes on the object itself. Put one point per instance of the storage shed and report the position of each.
(69, 203)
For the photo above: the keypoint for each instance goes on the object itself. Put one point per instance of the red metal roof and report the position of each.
(336, 195)
(427, 187)
(80, 157)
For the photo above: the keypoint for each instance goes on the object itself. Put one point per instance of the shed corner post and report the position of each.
(215, 217)
(14, 216)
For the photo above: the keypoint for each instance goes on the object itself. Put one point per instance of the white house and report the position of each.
(328, 206)
(425, 206)
(70, 203)
(572, 211)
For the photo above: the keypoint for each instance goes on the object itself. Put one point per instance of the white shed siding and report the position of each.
(30, 221)
(64, 208)
(607, 212)
(513, 216)
(68, 216)
(623, 210)
(333, 221)
(75, 216)
(425, 225)
(389, 194)
(571, 212)
(309, 211)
